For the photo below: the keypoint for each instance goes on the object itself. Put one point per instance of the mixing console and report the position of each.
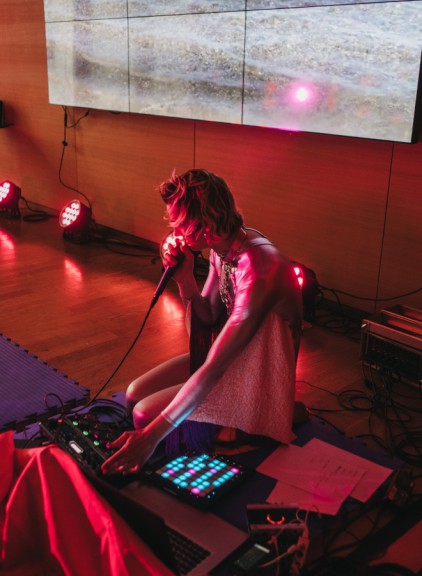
(86, 439)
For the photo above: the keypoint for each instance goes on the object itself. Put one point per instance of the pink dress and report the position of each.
(256, 393)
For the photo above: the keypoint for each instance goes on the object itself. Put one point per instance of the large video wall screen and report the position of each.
(349, 69)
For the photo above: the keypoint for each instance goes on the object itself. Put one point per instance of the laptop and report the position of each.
(188, 540)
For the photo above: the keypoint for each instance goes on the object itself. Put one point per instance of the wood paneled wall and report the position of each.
(350, 209)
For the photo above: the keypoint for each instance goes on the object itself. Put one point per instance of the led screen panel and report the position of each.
(67, 10)
(350, 69)
(189, 66)
(266, 4)
(166, 8)
(88, 64)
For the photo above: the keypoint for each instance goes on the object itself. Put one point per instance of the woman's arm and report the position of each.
(206, 303)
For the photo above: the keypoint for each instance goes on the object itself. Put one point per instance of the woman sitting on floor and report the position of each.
(244, 335)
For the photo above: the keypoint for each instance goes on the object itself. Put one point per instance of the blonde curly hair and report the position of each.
(198, 199)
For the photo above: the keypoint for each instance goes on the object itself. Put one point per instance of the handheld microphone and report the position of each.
(168, 270)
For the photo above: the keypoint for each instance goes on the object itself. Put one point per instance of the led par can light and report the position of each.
(9, 199)
(75, 219)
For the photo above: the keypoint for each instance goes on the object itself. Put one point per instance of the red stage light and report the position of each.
(309, 286)
(299, 275)
(9, 199)
(4, 191)
(75, 219)
(70, 213)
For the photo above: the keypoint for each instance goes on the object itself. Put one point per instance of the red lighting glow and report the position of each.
(72, 272)
(6, 243)
(309, 287)
(277, 522)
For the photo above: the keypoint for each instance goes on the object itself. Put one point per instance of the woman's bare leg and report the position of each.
(149, 394)
(151, 406)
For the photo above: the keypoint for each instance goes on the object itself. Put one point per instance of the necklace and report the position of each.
(232, 252)
(228, 260)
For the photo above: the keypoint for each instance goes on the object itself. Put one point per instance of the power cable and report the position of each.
(66, 126)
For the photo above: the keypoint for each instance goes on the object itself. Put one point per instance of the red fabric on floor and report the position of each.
(54, 523)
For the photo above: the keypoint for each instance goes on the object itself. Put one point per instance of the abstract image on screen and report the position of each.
(349, 69)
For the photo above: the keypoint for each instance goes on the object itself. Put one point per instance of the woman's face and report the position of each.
(197, 234)
(202, 239)
(196, 240)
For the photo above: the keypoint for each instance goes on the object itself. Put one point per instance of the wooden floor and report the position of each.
(80, 307)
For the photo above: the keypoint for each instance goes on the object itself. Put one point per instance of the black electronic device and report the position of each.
(280, 527)
(266, 519)
(197, 478)
(87, 440)
(250, 560)
(391, 346)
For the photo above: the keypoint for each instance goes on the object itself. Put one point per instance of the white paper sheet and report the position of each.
(319, 476)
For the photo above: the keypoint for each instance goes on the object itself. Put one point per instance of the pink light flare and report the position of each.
(302, 94)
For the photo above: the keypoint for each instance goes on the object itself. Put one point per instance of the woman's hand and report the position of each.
(172, 250)
(134, 449)
(176, 253)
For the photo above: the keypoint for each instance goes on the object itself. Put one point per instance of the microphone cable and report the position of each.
(165, 278)
(119, 365)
